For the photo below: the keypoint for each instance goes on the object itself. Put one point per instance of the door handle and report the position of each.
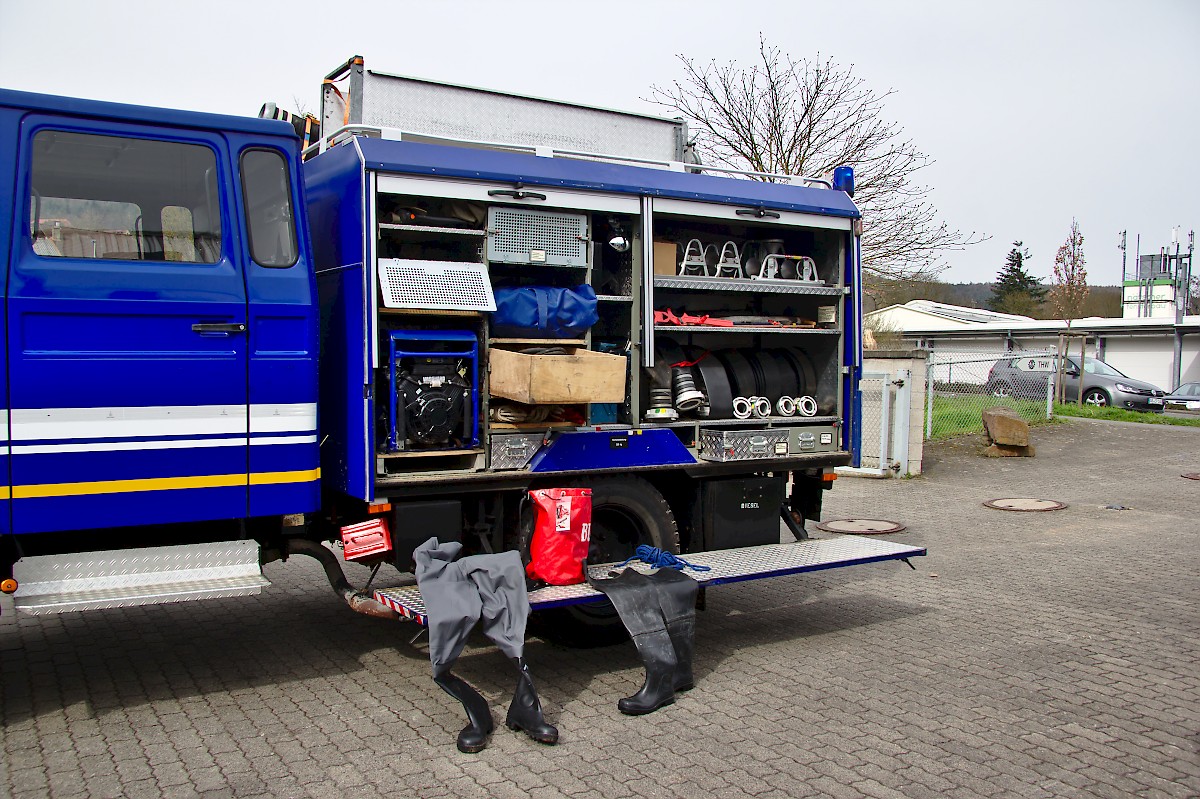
(218, 327)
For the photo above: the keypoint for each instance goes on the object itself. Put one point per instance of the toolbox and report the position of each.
(514, 450)
(742, 445)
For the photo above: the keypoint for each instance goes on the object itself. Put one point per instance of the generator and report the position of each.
(433, 390)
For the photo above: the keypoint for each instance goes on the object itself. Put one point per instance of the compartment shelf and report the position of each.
(430, 453)
(771, 420)
(812, 331)
(453, 231)
(549, 342)
(743, 284)
(613, 298)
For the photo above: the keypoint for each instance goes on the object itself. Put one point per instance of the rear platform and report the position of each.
(726, 566)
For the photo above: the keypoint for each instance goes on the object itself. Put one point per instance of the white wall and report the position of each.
(1148, 358)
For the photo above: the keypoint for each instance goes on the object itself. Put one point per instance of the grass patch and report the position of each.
(1120, 415)
(959, 416)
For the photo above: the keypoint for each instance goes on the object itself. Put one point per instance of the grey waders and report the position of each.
(489, 589)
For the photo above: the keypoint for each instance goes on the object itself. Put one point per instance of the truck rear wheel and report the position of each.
(626, 513)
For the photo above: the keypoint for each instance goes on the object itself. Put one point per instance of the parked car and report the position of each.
(1185, 397)
(1103, 385)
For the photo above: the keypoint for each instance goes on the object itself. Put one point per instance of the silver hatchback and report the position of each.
(1102, 384)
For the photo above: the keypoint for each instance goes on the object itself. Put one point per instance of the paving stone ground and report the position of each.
(1031, 655)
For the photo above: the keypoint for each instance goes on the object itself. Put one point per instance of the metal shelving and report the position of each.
(742, 284)
(812, 331)
(456, 231)
(771, 420)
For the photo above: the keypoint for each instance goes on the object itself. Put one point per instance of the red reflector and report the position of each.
(369, 540)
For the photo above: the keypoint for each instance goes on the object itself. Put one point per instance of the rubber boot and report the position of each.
(636, 600)
(525, 712)
(473, 737)
(677, 600)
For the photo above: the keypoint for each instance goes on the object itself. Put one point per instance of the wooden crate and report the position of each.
(580, 376)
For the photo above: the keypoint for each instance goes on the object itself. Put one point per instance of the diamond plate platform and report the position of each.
(727, 566)
(93, 580)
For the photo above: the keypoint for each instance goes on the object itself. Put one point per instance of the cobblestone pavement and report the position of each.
(1031, 655)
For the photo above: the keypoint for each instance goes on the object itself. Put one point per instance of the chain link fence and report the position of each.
(961, 385)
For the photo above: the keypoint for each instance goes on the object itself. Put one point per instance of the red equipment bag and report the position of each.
(562, 528)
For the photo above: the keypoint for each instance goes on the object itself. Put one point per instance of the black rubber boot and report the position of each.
(636, 601)
(525, 712)
(473, 737)
(677, 600)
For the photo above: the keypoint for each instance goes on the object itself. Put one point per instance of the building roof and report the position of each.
(928, 318)
(953, 313)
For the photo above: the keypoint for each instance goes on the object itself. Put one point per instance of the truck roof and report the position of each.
(417, 158)
(96, 109)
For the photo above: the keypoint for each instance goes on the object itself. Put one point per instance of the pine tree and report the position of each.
(1015, 290)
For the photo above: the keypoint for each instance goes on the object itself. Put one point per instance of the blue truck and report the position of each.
(223, 347)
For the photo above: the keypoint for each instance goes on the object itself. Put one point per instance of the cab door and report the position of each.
(127, 349)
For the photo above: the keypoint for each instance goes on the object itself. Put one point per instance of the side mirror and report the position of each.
(1072, 373)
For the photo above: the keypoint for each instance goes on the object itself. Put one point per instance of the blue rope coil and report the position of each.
(661, 559)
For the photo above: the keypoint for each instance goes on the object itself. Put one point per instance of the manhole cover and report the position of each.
(1026, 504)
(1191, 475)
(861, 526)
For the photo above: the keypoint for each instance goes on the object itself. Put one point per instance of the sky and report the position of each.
(1035, 113)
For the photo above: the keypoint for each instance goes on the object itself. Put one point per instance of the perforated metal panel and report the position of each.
(463, 112)
(526, 236)
(435, 284)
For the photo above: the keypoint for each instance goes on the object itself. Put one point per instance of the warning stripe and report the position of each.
(158, 484)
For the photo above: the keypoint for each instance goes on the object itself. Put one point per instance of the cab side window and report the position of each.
(266, 191)
(122, 198)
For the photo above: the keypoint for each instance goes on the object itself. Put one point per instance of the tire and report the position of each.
(1097, 397)
(626, 512)
(1002, 388)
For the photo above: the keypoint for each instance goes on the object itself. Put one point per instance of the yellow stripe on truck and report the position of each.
(161, 484)
(272, 478)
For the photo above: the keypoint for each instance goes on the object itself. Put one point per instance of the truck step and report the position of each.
(90, 580)
(726, 566)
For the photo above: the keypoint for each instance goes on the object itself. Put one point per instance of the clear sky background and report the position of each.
(1035, 112)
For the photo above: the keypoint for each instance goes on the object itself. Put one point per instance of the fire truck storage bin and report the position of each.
(740, 511)
(366, 541)
(514, 451)
(742, 445)
(580, 376)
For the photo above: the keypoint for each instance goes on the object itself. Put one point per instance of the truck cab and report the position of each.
(160, 340)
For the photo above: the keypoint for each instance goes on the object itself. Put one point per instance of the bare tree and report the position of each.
(1068, 292)
(805, 118)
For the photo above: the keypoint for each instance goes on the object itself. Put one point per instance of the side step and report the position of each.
(727, 566)
(90, 580)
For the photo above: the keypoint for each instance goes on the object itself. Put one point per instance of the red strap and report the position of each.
(705, 320)
(703, 355)
(666, 317)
